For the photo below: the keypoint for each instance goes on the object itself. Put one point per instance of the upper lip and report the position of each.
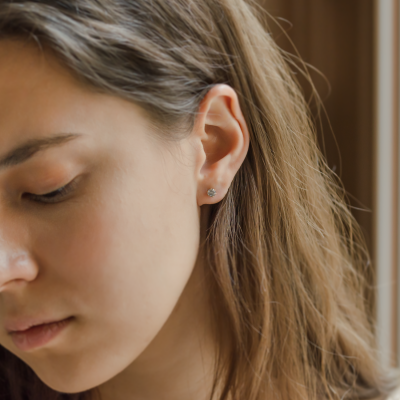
(22, 324)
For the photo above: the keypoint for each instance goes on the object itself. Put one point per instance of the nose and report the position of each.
(16, 266)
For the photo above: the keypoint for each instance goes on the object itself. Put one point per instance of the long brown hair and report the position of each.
(286, 257)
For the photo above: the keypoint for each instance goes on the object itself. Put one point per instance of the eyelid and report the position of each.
(67, 189)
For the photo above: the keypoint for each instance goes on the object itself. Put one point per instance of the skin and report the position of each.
(121, 252)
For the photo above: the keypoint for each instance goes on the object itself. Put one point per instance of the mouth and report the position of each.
(38, 335)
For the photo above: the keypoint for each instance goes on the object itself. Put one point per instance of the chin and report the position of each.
(66, 385)
(74, 380)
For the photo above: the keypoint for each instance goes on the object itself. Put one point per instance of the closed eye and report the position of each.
(55, 196)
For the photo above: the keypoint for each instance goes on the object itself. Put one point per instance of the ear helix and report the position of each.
(211, 192)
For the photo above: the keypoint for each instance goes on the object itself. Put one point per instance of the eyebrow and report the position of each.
(29, 148)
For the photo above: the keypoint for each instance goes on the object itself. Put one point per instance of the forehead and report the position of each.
(40, 97)
(37, 95)
(25, 69)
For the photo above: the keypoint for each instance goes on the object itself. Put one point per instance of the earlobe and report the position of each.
(221, 128)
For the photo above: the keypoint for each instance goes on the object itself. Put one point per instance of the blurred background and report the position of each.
(354, 45)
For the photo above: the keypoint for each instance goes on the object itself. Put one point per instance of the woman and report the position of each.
(170, 229)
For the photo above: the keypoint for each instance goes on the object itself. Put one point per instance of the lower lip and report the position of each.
(38, 335)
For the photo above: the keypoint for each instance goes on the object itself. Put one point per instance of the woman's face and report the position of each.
(115, 251)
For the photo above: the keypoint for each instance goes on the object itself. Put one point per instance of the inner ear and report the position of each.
(214, 134)
(217, 145)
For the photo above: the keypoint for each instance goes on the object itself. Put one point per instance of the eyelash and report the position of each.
(56, 196)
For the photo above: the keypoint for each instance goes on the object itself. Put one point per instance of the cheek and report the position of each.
(147, 236)
(121, 266)
(137, 255)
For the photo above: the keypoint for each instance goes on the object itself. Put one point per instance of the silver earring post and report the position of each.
(211, 192)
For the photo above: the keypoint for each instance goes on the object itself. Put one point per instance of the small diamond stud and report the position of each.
(211, 192)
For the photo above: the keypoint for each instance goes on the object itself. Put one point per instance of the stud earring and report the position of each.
(211, 192)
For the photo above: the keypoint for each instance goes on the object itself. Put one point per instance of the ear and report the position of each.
(221, 129)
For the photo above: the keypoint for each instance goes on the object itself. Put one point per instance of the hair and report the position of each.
(289, 274)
